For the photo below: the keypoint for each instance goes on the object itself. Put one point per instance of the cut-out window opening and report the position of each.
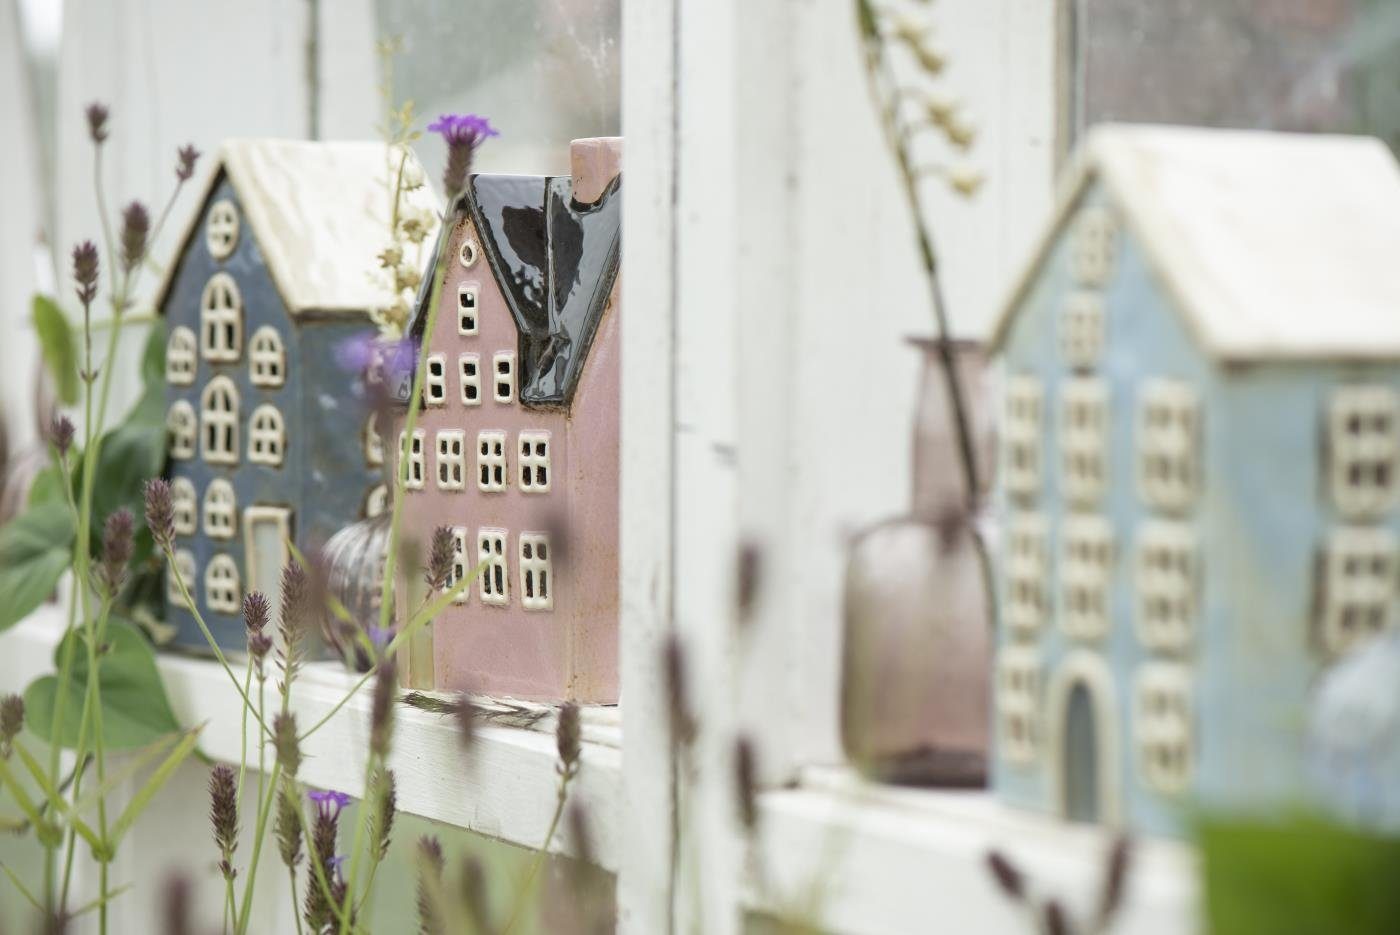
(267, 357)
(221, 229)
(459, 564)
(181, 425)
(1027, 574)
(219, 421)
(1364, 430)
(374, 442)
(536, 586)
(451, 460)
(184, 564)
(467, 297)
(435, 386)
(495, 583)
(376, 501)
(1358, 587)
(469, 372)
(1084, 440)
(182, 496)
(413, 450)
(504, 371)
(1167, 570)
(1018, 704)
(223, 592)
(1168, 445)
(1162, 724)
(1093, 245)
(181, 356)
(1086, 571)
(491, 461)
(1082, 329)
(1021, 436)
(220, 509)
(267, 436)
(467, 253)
(221, 320)
(534, 462)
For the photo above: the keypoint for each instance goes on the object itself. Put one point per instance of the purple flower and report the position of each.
(335, 863)
(328, 803)
(363, 353)
(379, 636)
(462, 133)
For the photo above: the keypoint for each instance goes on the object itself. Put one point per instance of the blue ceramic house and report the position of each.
(1198, 488)
(267, 443)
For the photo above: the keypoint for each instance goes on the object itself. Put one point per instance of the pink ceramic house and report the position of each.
(516, 447)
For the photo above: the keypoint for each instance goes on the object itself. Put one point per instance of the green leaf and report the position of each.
(35, 549)
(47, 487)
(152, 785)
(135, 709)
(57, 345)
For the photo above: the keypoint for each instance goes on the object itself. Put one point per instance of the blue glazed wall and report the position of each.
(323, 477)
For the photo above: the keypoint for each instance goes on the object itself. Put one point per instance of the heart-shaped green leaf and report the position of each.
(135, 709)
(57, 345)
(35, 549)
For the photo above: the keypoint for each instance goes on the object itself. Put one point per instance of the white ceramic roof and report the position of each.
(1273, 245)
(320, 213)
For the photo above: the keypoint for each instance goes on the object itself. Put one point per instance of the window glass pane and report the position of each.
(1310, 65)
(544, 71)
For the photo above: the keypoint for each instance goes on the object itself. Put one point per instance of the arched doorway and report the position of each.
(1081, 757)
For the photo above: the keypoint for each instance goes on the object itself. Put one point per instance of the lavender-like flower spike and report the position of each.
(567, 738)
(61, 434)
(116, 549)
(160, 512)
(85, 271)
(223, 815)
(746, 782)
(430, 867)
(292, 623)
(136, 227)
(328, 802)
(442, 555)
(285, 742)
(381, 711)
(11, 722)
(97, 122)
(325, 829)
(288, 825)
(255, 615)
(462, 133)
(187, 157)
(386, 808)
(465, 712)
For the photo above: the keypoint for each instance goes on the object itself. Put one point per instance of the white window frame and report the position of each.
(1082, 329)
(1168, 585)
(1027, 589)
(1093, 245)
(219, 424)
(491, 461)
(267, 436)
(435, 381)
(1086, 569)
(1163, 727)
(503, 381)
(267, 358)
(467, 253)
(186, 502)
(451, 460)
(1019, 702)
(1168, 443)
(414, 452)
(223, 588)
(1358, 585)
(460, 567)
(184, 561)
(536, 568)
(1364, 439)
(221, 320)
(220, 509)
(221, 229)
(469, 378)
(1084, 431)
(1022, 433)
(468, 316)
(181, 356)
(181, 429)
(495, 575)
(533, 461)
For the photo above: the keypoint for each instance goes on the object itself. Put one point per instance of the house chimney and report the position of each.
(594, 162)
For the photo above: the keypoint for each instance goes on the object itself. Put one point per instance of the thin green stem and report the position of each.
(264, 811)
(65, 675)
(243, 731)
(296, 908)
(368, 802)
(523, 894)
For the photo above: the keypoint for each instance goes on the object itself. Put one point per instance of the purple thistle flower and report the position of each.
(136, 227)
(97, 121)
(61, 434)
(85, 271)
(462, 133)
(160, 512)
(116, 549)
(328, 802)
(187, 157)
(379, 637)
(355, 353)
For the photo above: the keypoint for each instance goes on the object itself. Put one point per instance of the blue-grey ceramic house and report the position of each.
(267, 442)
(1198, 483)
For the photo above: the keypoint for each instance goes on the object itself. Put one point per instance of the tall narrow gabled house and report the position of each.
(516, 447)
(267, 442)
(1198, 485)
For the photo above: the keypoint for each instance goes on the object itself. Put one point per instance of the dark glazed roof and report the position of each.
(556, 261)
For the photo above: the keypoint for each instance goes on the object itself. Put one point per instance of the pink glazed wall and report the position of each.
(570, 652)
